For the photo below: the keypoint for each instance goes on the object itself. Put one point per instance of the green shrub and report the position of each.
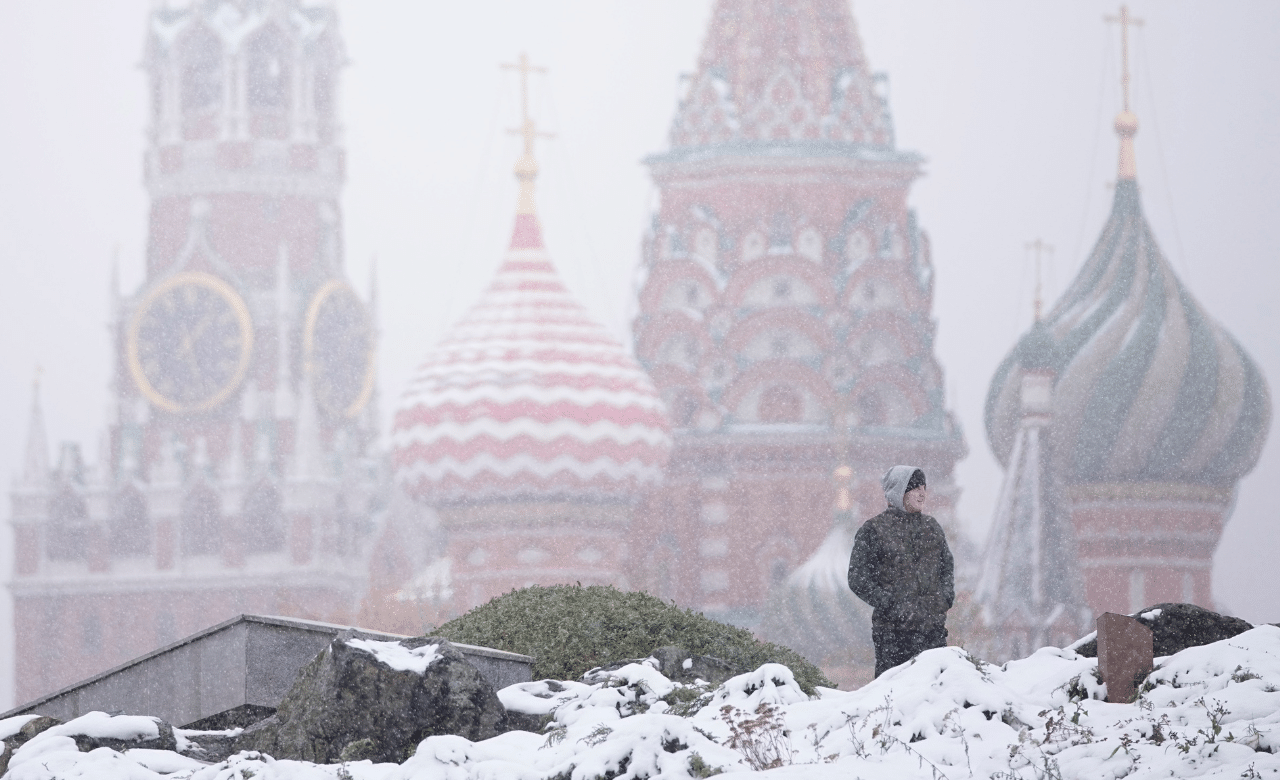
(570, 630)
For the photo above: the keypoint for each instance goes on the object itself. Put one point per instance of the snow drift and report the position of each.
(1209, 711)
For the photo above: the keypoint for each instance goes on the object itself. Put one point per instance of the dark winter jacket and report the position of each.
(901, 565)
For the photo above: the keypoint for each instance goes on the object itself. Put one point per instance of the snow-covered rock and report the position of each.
(1210, 711)
(1175, 627)
(92, 733)
(363, 698)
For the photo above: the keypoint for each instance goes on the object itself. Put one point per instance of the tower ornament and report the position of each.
(1040, 248)
(526, 168)
(1126, 120)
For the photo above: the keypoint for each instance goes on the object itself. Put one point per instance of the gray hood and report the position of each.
(895, 484)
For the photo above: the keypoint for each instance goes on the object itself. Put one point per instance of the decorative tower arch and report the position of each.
(237, 450)
(785, 250)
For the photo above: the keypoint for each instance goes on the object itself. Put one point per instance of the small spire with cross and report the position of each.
(526, 169)
(1126, 120)
(36, 468)
(1040, 248)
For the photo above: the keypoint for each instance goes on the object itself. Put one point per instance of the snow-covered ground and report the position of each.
(1211, 711)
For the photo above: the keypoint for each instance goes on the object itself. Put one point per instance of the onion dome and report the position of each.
(528, 396)
(813, 611)
(1148, 387)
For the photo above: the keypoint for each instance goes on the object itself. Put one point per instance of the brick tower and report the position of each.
(785, 311)
(1154, 413)
(234, 475)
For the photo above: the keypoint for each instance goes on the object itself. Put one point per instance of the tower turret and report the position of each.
(1157, 412)
(1029, 590)
(35, 461)
(244, 361)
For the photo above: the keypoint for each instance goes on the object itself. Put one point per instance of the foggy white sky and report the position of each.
(1011, 102)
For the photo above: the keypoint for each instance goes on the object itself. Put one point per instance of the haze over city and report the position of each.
(1011, 105)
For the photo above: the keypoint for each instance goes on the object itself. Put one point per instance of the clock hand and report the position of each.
(195, 364)
(189, 342)
(200, 328)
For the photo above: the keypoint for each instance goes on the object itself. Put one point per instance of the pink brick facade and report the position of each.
(785, 313)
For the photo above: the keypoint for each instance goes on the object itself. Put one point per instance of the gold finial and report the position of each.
(1039, 247)
(526, 167)
(1126, 120)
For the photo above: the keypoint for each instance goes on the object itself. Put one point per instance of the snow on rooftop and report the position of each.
(1211, 711)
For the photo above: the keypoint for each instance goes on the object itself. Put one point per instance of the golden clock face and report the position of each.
(189, 342)
(338, 340)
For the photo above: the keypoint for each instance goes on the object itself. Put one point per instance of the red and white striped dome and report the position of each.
(528, 396)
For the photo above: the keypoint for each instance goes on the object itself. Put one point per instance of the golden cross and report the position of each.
(1126, 21)
(1039, 247)
(527, 127)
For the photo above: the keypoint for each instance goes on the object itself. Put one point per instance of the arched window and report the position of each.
(705, 244)
(263, 519)
(129, 530)
(679, 350)
(884, 405)
(268, 70)
(781, 404)
(201, 58)
(68, 526)
(201, 523)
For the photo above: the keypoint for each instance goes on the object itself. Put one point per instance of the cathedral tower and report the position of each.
(785, 310)
(1154, 413)
(233, 477)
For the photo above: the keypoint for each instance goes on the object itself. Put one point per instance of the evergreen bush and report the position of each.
(570, 629)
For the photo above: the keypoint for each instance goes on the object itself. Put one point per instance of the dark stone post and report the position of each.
(1125, 654)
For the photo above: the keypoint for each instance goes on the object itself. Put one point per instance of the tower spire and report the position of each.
(527, 233)
(35, 470)
(1039, 247)
(1126, 120)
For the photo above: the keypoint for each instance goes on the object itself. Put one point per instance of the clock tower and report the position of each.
(236, 474)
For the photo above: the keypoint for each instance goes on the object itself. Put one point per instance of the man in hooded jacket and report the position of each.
(901, 566)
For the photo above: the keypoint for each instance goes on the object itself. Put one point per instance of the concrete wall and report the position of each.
(249, 660)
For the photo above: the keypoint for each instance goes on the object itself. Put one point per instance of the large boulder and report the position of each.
(1175, 627)
(366, 699)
